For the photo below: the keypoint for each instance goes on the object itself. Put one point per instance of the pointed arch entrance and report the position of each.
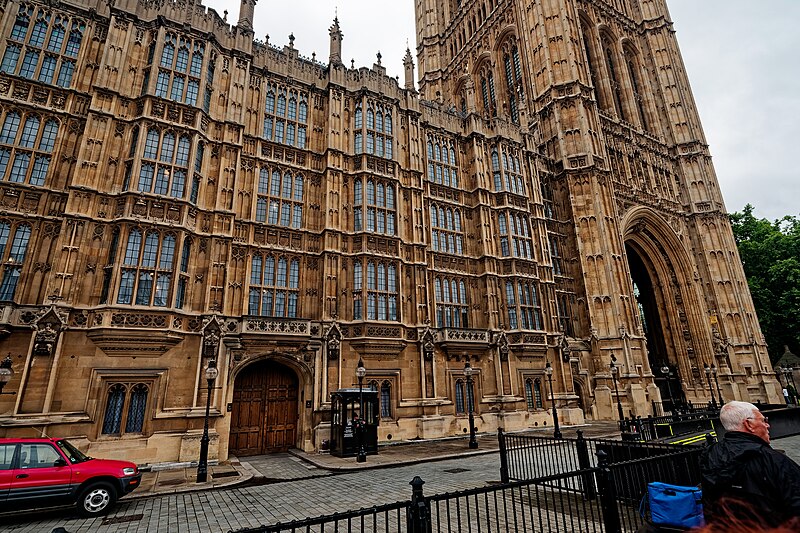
(264, 416)
(650, 307)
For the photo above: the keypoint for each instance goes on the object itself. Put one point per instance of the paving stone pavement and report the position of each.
(310, 491)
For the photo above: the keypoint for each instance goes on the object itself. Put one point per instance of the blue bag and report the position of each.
(674, 505)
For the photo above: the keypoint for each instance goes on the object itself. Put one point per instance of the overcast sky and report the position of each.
(741, 56)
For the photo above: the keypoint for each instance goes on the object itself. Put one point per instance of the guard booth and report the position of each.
(344, 404)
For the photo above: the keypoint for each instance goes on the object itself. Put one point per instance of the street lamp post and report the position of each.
(360, 373)
(468, 371)
(202, 465)
(614, 371)
(665, 371)
(6, 373)
(716, 382)
(549, 371)
(710, 389)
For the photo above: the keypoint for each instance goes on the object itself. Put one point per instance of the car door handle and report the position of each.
(22, 476)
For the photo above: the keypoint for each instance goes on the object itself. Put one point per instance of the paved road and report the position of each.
(222, 510)
(226, 509)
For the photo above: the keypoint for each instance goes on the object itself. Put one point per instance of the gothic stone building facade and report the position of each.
(174, 191)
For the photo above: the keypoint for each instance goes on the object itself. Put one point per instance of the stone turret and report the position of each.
(336, 43)
(408, 62)
(246, 10)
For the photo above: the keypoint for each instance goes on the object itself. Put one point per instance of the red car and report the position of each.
(52, 472)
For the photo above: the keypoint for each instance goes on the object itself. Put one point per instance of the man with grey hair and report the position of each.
(743, 475)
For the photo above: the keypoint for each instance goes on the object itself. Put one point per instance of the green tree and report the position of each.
(770, 253)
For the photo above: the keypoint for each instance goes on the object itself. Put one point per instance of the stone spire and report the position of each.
(336, 43)
(408, 62)
(246, 10)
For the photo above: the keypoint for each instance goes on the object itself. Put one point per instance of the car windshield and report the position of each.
(73, 454)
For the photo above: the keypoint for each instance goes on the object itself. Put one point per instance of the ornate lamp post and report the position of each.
(710, 389)
(202, 465)
(468, 371)
(360, 373)
(6, 373)
(716, 382)
(665, 371)
(549, 371)
(614, 371)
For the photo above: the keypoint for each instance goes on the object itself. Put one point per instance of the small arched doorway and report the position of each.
(265, 412)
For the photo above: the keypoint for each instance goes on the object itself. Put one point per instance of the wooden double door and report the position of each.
(265, 412)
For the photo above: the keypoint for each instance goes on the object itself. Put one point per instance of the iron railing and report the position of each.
(603, 497)
(525, 457)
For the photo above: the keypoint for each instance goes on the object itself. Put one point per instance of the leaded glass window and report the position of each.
(125, 402)
(286, 115)
(13, 249)
(146, 277)
(274, 286)
(38, 37)
(26, 147)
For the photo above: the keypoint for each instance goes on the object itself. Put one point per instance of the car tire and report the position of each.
(97, 499)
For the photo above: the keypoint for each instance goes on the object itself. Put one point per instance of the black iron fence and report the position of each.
(601, 492)
(671, 425)
(525, 457)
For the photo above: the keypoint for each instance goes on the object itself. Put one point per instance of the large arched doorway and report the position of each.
(647, 305)
(264, 415)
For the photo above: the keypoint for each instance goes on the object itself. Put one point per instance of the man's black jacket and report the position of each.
(744, 467)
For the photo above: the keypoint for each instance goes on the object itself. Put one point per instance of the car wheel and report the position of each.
(96, 500)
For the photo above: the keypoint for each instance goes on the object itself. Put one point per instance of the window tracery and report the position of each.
(48, 44)
(447, 234)
(376, 288)
(274, 286)
(515, 234)
(379, 204)
(179, 69)
(452, 307)
(374, 130)
(508, 176)
(280, 197)
(125, 408)
(26, 145)
(286, 115)
(442, 167)
(146, 276)
(522, 305)
(164, 163)
(12, 256)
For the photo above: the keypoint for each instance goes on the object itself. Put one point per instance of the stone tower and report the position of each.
(649, 249)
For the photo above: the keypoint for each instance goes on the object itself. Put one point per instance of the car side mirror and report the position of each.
(60, 462)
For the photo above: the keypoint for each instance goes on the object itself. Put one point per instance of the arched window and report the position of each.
(40, 62)
(180, 70)
(513, 72)
(279, 198)
(146, 276)
(286, 115)
(379, 205)
(27, 157)
(515, 234)
(384, 398)
(374, 135)
(274, 286)
(382, 291)
(533, 394)
(12, 256)
(613, 76)
(452, 307)
(446, 232)
(164, 169)
(183, 279)
(522, 305)
(128, 402)
(442, 167)
(488, 96)
(636, 85)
